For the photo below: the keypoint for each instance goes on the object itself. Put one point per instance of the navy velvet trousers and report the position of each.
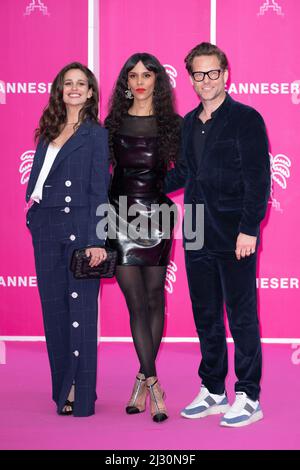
(70, 306)
(216, 278)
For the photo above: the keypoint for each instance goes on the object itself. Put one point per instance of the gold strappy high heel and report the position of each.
(157, 406)
(137, 402)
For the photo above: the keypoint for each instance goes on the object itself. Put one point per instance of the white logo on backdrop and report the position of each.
(295, 95)
(170, 277)
(270, 5)
(18, 88)
(296, 354)
(36, 5)
(26, 164)
(2, 92)
(18, 281)
(277, 283)
(172, 72)
(265, 88)
(280, 172)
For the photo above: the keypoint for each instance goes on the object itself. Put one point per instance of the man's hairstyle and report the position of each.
(205, 48)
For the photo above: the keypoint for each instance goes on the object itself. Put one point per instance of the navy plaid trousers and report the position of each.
(70, 306)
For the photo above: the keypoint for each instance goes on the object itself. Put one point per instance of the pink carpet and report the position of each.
(28, 419)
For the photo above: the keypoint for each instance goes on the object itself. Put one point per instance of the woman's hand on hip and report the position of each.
(97, 255)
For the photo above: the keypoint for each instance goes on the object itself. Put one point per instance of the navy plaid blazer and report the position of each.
(79, 175)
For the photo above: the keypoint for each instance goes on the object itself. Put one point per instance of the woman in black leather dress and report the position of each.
(144, 133)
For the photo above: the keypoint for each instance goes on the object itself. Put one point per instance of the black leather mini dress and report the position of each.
(141, 217)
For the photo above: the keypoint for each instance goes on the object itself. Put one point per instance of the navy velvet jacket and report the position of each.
(79, 175)
(232, 180)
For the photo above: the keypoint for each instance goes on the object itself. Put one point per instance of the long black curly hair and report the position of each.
(168, 122)
(55, 113)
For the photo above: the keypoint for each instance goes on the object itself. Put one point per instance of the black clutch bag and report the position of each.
(81, 269)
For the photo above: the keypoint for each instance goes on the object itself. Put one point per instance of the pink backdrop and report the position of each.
(170, 30)
(259, 38)
(35, 44)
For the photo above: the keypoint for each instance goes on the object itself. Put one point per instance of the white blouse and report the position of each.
(50, 156)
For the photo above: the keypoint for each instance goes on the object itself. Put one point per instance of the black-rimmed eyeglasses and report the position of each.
(212, 75)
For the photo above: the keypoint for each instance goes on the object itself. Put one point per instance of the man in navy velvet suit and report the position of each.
(224, 167)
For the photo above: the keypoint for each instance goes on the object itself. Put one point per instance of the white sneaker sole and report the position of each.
(213, 410)
(256, 417)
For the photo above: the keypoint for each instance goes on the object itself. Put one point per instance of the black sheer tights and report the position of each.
(143, 288)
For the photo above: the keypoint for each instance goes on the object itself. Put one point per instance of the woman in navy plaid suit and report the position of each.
(68, 181)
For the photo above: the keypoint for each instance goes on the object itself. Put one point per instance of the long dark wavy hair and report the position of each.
(168, 122)
(55, 113)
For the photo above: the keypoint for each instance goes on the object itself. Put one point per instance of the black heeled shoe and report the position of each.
(68, 404)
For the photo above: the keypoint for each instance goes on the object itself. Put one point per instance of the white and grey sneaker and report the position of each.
(243, 412)
(206, 404)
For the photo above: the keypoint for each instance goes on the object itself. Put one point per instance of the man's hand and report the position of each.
(98, 255)
(245, 245)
